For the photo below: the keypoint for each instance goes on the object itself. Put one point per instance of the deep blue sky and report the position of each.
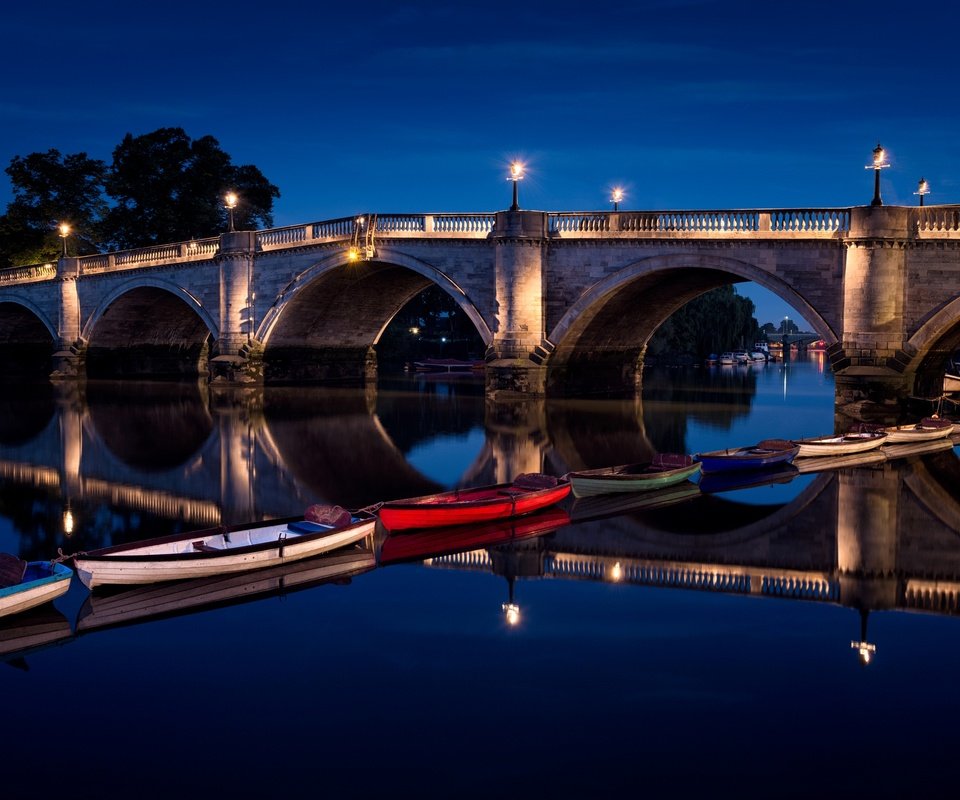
(420, 106)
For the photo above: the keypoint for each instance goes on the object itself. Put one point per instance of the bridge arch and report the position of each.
(148, 327)
(933, 343)
(27, 337)
(325, 322)
(604, 330)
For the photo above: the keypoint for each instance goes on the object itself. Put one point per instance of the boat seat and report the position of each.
(307, 527)
(12, 570)
(203, 547)
(534, 480)
(331, 516)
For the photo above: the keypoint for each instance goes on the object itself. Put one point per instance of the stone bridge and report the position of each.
(564, 302)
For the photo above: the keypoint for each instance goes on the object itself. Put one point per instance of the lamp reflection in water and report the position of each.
(865, 650)
(69, 523)
(616, 573)
(510, 609)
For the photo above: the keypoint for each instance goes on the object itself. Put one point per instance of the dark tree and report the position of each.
(711, 323)
(49, 189)
(168, 187)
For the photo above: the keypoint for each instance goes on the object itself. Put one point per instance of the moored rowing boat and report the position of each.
(215, 551)
(25, 584)
(526, 493)
(840, 445)
(762, 455)
(663, 470)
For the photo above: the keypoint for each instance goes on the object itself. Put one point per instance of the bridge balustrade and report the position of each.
(463, 223)
(28, 274)
(939, 220)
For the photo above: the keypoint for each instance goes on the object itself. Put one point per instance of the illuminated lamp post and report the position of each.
(516, 175)
(230, 202)
(879, 163)
(923, 188)
(615, 197)
(64, 232)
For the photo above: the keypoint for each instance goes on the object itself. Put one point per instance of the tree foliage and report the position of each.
(49, 189)
(716, 321)
(160, 187)
(169, 188)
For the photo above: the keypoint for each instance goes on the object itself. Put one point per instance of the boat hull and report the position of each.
(32, 593)
(455, 508)
(912, 433)
(847, 444)
(590, 483)
(118, 566)
(951, 383)
(743, 459)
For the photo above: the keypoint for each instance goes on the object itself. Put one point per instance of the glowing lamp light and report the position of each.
(516, 175)
(615, 197)
(616, 573)
(68, 522)
(879, 163)
(64, 231)
(353, 254)
(360, 221)
(230, 201)
(923, 189)
(414, 330)
(512, 612)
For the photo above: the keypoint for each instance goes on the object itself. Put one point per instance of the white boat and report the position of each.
(841, 445)
(951, 383)
(728, 358)
(742, 357)
(899, 434)
(218, 551)
(756, 355)
(25, 584)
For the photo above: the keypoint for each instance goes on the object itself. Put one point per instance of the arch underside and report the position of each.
(603, 347)
(328, 330)
(148, 332)
(26, 345)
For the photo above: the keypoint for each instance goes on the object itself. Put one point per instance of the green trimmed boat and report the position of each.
(664, 469)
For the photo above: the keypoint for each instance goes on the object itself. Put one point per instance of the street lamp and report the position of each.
(923, 188)
(516, 175)
(64, 232)
(230, 202)
(615, 197)
(879, 163)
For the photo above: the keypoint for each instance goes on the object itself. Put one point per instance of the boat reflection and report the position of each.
(30, 632)
(175, 598)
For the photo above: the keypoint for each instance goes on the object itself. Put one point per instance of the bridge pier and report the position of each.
(68, 361)
(870, 366)
(519, 239)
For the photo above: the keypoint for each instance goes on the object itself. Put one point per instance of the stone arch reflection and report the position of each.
(151, 427)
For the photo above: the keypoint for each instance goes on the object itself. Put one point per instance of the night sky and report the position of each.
(408, 107)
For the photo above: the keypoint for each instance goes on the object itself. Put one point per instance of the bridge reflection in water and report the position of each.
(135, 460)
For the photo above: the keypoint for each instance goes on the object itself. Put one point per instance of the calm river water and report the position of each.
(710, 643)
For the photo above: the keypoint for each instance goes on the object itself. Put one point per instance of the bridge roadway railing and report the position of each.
(929, 222)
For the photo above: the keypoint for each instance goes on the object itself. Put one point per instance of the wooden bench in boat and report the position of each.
(12, 570)
(203, 547)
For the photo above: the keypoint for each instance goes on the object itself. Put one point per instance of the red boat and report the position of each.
(528, 492)
(442, 542)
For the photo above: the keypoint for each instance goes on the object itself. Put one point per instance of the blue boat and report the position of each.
(762, 455)
(25, 584)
